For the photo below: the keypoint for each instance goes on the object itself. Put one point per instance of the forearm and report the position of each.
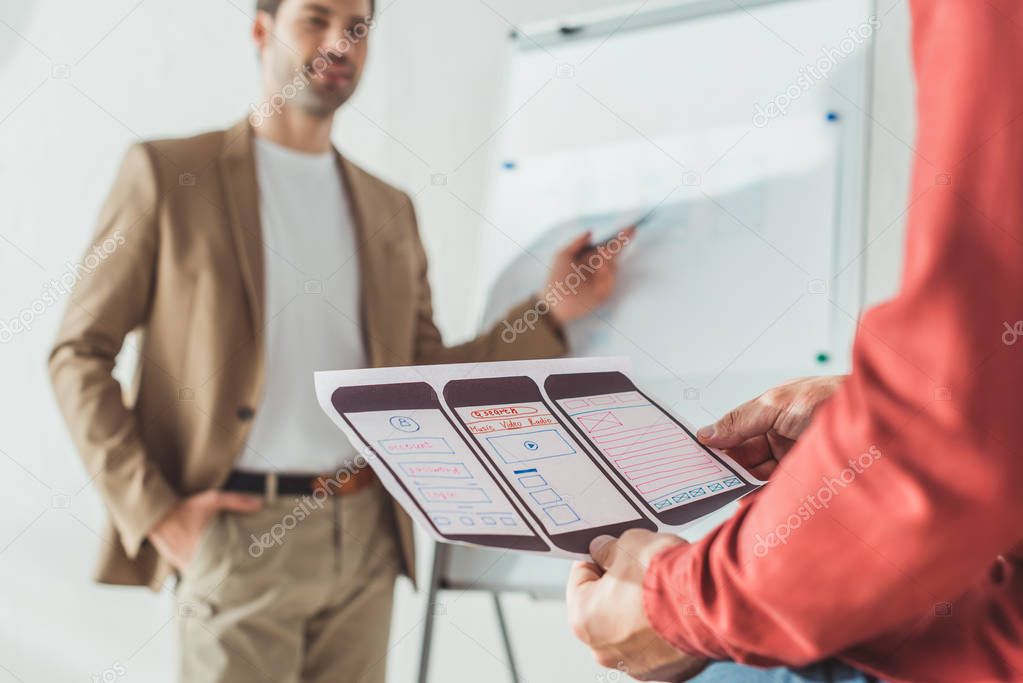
(816, 565)
(106, 437)
(527, 331)
(110, 300)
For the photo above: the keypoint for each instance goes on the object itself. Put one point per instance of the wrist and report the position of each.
(668, 624)
(549, 310)
(165, 525)
(556, 318)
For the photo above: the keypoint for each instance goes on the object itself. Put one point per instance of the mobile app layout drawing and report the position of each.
(528, 455)
(433, 464)
(652, 453)
(554, 477)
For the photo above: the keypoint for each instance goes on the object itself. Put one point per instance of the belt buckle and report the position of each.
(321, 484)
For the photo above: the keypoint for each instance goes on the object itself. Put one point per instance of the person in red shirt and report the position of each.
(890, 536)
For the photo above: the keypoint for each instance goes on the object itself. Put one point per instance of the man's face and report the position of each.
(313, 51)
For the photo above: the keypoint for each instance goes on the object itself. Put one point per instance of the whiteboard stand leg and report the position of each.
(504, 637)
(440, 554)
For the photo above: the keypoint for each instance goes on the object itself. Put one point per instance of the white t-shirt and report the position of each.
(312, 309)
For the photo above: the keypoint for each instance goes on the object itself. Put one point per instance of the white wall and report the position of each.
(893, 132)
(156, 68)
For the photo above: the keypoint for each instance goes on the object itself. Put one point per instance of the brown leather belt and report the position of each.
(271, 485)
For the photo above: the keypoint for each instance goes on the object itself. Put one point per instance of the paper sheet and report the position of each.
(536, 456)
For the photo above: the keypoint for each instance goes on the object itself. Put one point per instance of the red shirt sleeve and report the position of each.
(908, 484)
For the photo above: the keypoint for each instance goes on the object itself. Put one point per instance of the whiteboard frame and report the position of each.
(569, 31)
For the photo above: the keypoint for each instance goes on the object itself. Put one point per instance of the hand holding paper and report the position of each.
(605, 609)
(542, 456)
(760, 432)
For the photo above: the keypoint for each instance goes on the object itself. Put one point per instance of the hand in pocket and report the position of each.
(176, 536)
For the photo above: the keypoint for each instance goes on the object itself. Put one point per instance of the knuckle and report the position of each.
(795, 419)
(579, 626)
(580, 632)
(661, 542)
(800, 412)
(633, 535)
(771, 399)
(729, 422)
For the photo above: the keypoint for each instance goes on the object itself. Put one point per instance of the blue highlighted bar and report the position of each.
(531, 469)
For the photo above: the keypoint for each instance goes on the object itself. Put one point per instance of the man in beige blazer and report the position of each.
(248, 258)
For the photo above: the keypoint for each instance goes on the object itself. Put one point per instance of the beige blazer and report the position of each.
(178, 254)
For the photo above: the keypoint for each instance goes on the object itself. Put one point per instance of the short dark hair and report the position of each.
(271, 6)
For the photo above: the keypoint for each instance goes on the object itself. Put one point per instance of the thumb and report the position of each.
(752, 418)
(238, 502)
(602, 550)
(623, 238)
(580, 241)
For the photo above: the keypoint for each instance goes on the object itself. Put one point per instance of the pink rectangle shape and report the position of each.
(660, 441)
(668, 483)
(680, 449)
(680, 460)
(626, 434)
(669, 470)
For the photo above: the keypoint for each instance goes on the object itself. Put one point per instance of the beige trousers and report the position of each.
(298, 592)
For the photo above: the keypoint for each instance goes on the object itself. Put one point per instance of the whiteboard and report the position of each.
(747, 272)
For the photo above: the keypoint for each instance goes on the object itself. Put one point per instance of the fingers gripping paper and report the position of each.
(539, 456)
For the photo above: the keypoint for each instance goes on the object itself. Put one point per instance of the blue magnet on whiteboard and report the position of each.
(833, 116)
(508, 165)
